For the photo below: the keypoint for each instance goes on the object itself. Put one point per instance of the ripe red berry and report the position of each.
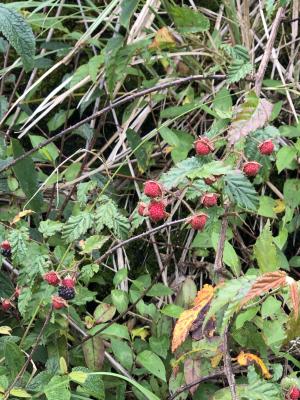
(152, 189)
(209, 199)
(68, 282)
(198, 221)
(5, 304)
(5, 248)
(266, 147)
(142, 209)
(157, 211)
(294, 393)
(203, 146)
(58, 302)
(251, 168)
(52, 278)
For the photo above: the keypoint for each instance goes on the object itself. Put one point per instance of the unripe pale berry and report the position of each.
(203, 146)
(58, 302)
(251, 168)
(152, 189)
(142, 209)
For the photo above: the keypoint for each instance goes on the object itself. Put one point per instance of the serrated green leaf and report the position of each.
(127, 9)
(291, 192)
(265, 251)
(240, 190)
(18, 239)
(223, 104)
(181, 143)
(49, 228)
(238, 70)
(77, 225)
(189, 21)
(19, 34)
(285, 157)
(58, 388)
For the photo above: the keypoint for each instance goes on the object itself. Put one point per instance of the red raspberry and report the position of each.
(5, 304)
(266, 147)
(198, 221)
(52, 278)
(209, 199)
(152, 189)
(68, 282)
(203, 146)
(5, 245)
(251, 168)
(58, 302)
(142, 209)
(17, 292)
(157, 211)
(294, 393)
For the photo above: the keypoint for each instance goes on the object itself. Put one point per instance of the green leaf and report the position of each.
(58, 388)
(160, 345)
(159, 289)
(127, 9)
(265, 251)
(291, 192)
(76, 226)
(209, 169)
(270, 306)
(141, 150)
(94, 242)
(122, 352)
(27, 176)
(240, 190)
(49, 152)
(91, 68)
(172, 310)
(188, 21)
(93, 350)
(266, 207)
(72, 171)
(59, 119)
(120, 276)
(24, 299)
(18, 239)
(91, 385)
(238, 70)
(245, 316)
(13, 357)
(285, 157)
(104, 312)
(230, 257)
(120, 300)
(152, 363)
(49, 228)
(181, 143)
(3, 106)
(19, 34)
(107, 214)
(114, 330)
(223, 104)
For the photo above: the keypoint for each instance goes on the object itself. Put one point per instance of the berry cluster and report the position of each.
(156, 209)
(66, 288)
(294, 393)
(5, 248)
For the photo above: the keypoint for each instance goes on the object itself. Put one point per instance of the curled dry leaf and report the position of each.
(163, 38)
(294, 293)
(251, 115)
(186, 319)
(266, 282)
(244, 359)
(21, 215)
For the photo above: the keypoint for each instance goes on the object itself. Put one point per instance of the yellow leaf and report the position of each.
(168, 149)
(163, 38)
(21, 215)
(20, 393)
(140, 332)
(78, 376)
(5, 330)
(215, 361)
(244, 359)
(280, 206)
(187, 317)
(63, 366)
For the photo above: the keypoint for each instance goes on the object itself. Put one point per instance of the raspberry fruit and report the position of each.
(157, 211)
(58, 302)
(266, 147)
(5, 304)
(203, 146)
(251, 168)
(198, 221)
(294, 393)
(52, 278)
(5, 248)
(152, 189)
(67, 293)
(209, 199)
(17, 292)
(142, 209)
(68, 281)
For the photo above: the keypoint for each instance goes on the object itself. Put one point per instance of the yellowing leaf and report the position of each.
(20, 393)
(294, 293)
(5, 330)
(279, 207)
(78, 376)
(215, 361)
(140, 332)
(21, 214)
(163, 38)
(187, 318)
(244, 359)
(63, 366)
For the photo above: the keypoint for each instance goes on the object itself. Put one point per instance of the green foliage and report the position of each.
(77, 225)
(265, 251)
(188, 21)
(240, 190)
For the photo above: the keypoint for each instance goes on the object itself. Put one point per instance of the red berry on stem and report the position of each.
(68, 282)
(294, 393)
(209, 199)
(5, 304)
(5, 248)
(152, 189)
(52, 278)
(58, 302)
(157, 211)
(142, 209)
(203, 146)
(251, 168)
(17, 292)
(266, 147)
(198, 221)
